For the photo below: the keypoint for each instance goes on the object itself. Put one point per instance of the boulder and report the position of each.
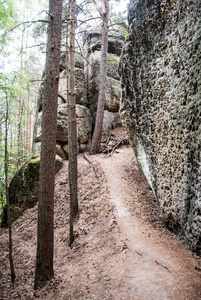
(113, 94)
(83, 119)
(80, 97)
(109, 118)
(62, 128)
(62, 123)
(79, 61)
(113, 88)
(112, 65)
(60, 151)
(84, 125)
(24, 187)
(116, 37)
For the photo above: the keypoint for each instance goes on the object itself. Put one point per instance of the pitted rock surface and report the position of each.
(161, 106)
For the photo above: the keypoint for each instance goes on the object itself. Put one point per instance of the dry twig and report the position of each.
(89, 161)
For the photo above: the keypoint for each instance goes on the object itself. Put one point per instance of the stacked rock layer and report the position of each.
(87, 65)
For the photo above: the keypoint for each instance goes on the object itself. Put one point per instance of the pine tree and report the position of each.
(72, 130)
(45, 234)
(96, 140)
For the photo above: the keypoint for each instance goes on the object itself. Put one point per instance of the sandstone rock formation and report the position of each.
(25, 183)
(24, 187)
(92, 42)
(83, 117)
(86, 90)
(161, 105)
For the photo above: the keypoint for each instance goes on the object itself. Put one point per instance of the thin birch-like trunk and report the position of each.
(7, 197)
(72, 129)
(96, 140)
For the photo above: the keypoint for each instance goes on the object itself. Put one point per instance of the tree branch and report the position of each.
(26, 22)
(34, 46)
(98, 8)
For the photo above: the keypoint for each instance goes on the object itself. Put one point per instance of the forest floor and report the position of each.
(122, 250)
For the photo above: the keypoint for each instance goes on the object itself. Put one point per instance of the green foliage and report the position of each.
(21, 65)
(126, 35)
(118, 18)
(7, 13)
(9, 96)
(8, 18)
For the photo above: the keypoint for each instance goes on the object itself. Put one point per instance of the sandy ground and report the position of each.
(121, 250)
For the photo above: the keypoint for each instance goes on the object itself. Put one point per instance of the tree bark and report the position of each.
(7, 197)
(72, 129)
(28, 127)
(96, 140)
(20, 110)
(45, 235)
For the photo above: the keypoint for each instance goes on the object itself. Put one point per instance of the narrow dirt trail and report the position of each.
(121, 251)
(159, 267)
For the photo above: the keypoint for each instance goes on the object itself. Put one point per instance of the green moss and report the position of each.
(117, 88)
(118, 30)
(16, 212)
(87, 111)
(35, 159)
(112, 60)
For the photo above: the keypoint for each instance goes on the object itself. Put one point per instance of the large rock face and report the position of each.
(86, 90)
(92, 42)
(161, 104)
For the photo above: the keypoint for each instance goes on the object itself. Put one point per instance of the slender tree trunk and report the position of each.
(19, 134)
(96, 140)
(36, 92)
(72, 130)
(45, 234)
(1, 140)
(7, 197)
(27, 133)
(20, 109)
(12, 155)
(30, 131)
(71, 233)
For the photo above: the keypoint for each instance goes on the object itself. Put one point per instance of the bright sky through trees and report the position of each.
(28, 10)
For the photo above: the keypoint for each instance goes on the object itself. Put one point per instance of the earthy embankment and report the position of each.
(122, 250)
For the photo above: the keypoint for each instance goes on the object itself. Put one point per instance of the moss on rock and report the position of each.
(24, 188)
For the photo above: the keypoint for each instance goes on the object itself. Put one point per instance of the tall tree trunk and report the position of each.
(96, 140)
(45, 234)
(20, 109)
(34, 125)
(7, 196)
(72, 130)
(30, 131)
(28, 128)
(1, 140)
(19, 134)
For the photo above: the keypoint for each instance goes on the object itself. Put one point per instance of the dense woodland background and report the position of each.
(21, 69)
